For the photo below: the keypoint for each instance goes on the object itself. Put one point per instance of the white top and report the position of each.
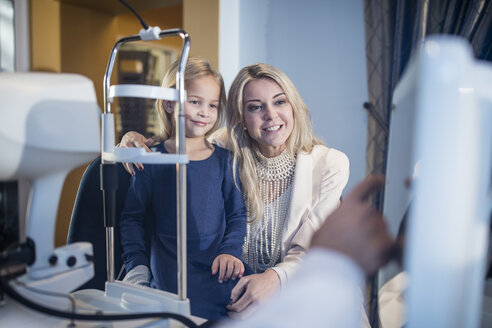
(325, 292)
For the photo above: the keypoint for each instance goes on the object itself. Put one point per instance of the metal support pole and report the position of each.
(108, 142)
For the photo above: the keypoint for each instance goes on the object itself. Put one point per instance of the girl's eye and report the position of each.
(213, 106)
(194, 102)
(255, 108)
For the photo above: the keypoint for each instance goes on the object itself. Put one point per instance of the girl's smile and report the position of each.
(201, 107)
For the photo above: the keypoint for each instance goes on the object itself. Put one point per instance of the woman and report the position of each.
(290, 181)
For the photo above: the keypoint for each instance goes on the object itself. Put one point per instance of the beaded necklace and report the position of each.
(261, 249)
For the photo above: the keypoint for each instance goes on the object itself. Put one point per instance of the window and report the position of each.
(7, 38)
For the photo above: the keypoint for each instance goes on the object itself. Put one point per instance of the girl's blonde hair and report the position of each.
(245, 150)
(195, 68)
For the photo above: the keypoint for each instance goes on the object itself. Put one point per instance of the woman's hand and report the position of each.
(228, 267)
(251, 290)
(135, 140)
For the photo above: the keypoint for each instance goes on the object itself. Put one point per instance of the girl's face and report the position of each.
(201, 106)
(268, 115)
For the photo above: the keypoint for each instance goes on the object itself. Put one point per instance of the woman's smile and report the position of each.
(268, 115)
(273, 128)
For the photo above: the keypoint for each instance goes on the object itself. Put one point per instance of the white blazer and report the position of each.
(319, 179)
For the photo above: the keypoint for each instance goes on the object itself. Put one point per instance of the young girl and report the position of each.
(216, 215)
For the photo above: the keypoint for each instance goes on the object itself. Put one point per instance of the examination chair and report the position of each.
(87, 222)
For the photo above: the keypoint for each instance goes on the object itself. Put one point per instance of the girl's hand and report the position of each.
(228, 266)
(252, 290)
(134, 139)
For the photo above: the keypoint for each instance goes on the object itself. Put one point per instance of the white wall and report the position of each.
(21, 29)
(320, 45)
(229, 40)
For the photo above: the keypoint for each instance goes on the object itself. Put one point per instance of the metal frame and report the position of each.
(108, 146)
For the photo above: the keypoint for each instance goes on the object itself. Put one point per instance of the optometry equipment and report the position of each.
(442, 125)
(50, 125)
(138, 298)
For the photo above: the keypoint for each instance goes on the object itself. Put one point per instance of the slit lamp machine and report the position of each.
(51, 124)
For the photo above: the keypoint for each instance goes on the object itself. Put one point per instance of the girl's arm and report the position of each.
(235, 214)
(132, 221)
(227, 264)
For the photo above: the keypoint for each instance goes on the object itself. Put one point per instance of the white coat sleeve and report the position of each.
(324, 292)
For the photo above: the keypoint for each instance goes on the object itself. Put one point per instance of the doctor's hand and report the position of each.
(135, 140)
(251, 291)
(228, 267)
(357, 229)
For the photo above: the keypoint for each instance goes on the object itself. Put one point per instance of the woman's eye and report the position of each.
(255, 108)
(280, 102)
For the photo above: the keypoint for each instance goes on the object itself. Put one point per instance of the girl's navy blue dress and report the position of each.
(216, 224)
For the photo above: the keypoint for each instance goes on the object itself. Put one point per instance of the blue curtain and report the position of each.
(394, 29)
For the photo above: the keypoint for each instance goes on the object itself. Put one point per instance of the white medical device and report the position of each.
(49, 125)
(127, 297)
(442, 120)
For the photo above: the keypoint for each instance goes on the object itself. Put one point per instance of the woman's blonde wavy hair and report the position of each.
(196, 67)
(244, 148)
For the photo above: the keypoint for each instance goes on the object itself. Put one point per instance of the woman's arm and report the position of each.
(134, 139)
(324, 293)
(331, 167)
(326, 290)
(251, 291)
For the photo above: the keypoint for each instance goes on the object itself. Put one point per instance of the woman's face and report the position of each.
(268, 115)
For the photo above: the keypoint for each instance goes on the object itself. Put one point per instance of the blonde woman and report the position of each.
(290, 181)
